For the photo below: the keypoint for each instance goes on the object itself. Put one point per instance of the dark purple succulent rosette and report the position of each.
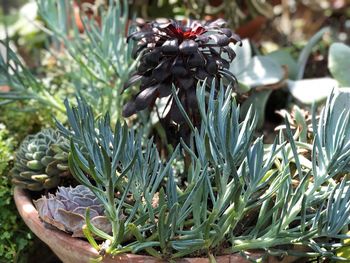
(175, 53)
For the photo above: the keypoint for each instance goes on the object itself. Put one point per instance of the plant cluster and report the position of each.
(67, 208)
(236, 194)
(221, 189)
(180, 55)
(41, 161)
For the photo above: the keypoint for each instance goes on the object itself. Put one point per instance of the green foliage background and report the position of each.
(14, 235)
(15, 238)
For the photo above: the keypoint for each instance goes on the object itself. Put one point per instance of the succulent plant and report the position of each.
(66, 210)
(41, 161)
(300, 121)
(174, 53)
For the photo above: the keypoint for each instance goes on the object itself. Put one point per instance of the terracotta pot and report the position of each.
(74, 250)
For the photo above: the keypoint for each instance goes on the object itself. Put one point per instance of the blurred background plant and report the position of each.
(95, 63)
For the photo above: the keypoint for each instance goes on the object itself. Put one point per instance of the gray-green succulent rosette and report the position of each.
(66, 210)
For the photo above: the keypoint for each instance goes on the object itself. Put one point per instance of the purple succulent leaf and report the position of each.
(214, 53)
(220, 39)
(85, 202)
(162, 71)
(98, 208)
(134, 79)
(82, 210)
(143, 68)
(129, 109)
(195, 60)
(62, 193)
(211, 66)
(228, 32)
(186, 82)
(72, 222)
(145, 97)
(137, 49)
(138, 35)
(42, 207)
(175, 114)
(236, 39)
(152, 57)
(230, 52)
(203, 39)
(147, 81)
(219, 23)
(188, 47)
(170, 47)
(69, 204)
(54, 205)
(164, 89)
(178, 69)
(201, 74)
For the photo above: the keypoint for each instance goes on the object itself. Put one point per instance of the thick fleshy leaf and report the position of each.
(162, 71)
(243, 58)
(146, 81)
(188, 47)
(227, 31)
(284, 58)
(164, 89)
(197, 28)
(261, 71)
(178, 69)
(143, 68)
(170, 47)
(186, 82)
(175, 114)
(195, 60)
(217, 23)
(138, 35)
(342, 103)
(211, 66)
(145, 97)
(152, 57)
(129, 109)
(201, 74)
(82, 210)
(132, 80)
(203, 39)
(309, 91)
(339, 63)
(230, 52)
(220, 39)
(236, 39)
(73, 222)
(51, 182)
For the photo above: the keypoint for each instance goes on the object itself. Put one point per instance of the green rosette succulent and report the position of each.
(41, 161)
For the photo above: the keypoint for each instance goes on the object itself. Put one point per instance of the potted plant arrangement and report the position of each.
(199, 184)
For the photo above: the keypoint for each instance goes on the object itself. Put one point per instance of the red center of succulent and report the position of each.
(189, 33)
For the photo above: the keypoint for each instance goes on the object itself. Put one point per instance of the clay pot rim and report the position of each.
(54, 238)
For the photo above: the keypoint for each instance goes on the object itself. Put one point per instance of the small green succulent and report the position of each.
(41, 161)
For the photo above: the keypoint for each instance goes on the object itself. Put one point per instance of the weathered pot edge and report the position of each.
(74, 250)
